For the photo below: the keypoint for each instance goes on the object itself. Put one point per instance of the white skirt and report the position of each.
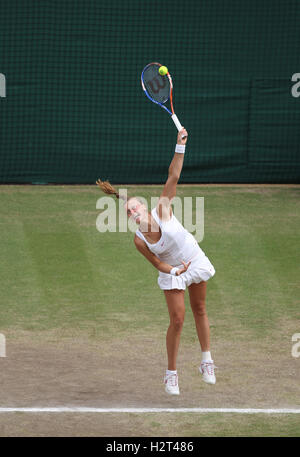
(199, 270)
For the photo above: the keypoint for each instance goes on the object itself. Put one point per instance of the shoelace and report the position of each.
(209, 367)
(172, 380)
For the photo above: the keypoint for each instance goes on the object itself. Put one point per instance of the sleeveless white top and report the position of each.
(176, 243)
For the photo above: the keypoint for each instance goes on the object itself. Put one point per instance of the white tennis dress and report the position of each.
(175, 245)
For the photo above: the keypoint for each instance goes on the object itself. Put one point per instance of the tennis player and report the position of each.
(181, 263)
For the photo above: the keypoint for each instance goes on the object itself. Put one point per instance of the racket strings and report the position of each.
(157, 86)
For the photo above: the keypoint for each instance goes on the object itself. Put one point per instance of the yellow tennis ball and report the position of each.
(163, 70)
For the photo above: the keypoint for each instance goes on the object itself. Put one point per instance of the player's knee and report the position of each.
(199, 308)
(177, 322)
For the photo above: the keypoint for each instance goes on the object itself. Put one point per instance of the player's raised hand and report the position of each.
(182, 136)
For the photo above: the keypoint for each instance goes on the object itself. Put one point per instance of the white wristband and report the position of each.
(173, 271)
(180, 148)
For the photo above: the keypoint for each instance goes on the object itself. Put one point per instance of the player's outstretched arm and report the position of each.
(169, 191)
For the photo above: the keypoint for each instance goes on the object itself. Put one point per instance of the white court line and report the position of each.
(74, 409)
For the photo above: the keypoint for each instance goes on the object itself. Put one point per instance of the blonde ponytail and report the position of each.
(106, 187)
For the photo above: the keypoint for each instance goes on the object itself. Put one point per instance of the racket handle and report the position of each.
(177, 123)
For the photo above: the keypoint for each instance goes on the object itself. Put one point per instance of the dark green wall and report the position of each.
(74, 108)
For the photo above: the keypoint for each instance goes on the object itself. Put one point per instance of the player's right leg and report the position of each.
(176, 308)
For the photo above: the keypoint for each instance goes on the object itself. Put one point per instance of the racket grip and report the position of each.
(177, 123)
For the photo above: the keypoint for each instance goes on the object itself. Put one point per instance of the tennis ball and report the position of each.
(163, 70)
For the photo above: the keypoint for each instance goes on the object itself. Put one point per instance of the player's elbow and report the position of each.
(173, 176)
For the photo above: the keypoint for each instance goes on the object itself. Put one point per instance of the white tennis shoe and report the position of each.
(171, 384)
(207, 369)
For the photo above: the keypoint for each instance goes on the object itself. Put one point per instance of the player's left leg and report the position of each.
(197, 293)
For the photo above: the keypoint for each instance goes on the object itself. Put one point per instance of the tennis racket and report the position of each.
(159, 89)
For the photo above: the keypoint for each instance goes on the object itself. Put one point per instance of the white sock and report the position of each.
(169, 372)
(206, 357)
